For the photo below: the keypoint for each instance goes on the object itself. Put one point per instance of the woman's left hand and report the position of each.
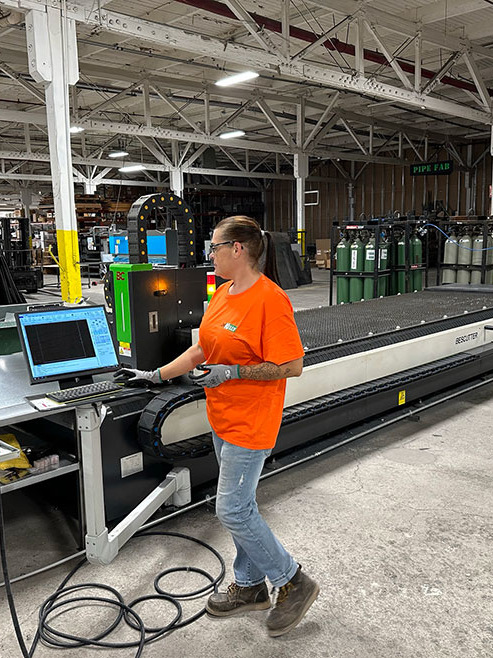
(215, 374)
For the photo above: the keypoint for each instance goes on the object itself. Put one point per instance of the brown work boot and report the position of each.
(238, 599)
(293, 600)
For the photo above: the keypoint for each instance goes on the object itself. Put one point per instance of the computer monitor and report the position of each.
(66, 344)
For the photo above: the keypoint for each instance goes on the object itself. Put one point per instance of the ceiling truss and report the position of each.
(176, 121)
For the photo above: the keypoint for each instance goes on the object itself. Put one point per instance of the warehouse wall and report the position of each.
(380, 189)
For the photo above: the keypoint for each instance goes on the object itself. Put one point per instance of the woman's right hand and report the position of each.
(134, 377)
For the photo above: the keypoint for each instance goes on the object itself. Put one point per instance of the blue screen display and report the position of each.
(67, 341)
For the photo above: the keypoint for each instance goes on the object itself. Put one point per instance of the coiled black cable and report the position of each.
(55, 603)
(8, 589)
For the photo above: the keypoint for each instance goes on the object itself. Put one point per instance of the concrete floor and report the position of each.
(397, 528)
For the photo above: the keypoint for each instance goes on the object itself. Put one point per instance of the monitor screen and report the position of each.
(66, 342)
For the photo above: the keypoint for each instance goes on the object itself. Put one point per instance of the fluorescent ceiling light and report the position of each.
(76, 129)
(235, 79)
(117, 154)
(232, 134)
(134, 167)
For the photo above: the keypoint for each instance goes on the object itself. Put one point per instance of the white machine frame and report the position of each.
(335, 375)
(102, 545)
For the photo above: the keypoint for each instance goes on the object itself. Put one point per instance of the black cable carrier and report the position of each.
(143, 210)
(156, 412)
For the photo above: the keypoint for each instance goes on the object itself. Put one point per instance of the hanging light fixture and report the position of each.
(134, 167)
(237, 78)
(232, 134)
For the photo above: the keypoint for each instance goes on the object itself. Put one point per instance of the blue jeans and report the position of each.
(258, 552)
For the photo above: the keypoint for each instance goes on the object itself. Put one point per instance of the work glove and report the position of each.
(133, 377)
(215, 374)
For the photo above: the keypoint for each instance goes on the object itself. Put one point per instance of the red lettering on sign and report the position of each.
(120, 276)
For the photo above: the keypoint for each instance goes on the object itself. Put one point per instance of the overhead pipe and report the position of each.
(220, 9)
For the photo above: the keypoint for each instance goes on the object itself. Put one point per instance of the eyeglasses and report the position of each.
(214, 245)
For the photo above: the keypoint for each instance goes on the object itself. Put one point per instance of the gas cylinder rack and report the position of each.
(408, 264)
(399, 267)
(466, 256)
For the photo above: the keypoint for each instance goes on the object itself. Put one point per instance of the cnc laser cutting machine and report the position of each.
(362, 360)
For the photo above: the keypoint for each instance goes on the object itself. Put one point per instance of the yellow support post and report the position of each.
(302, 241)
(68, 256)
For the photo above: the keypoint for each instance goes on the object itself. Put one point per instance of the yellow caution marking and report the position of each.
(402, 397)
(68, 257)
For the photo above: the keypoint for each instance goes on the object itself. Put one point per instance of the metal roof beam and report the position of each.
(440, 10)
(396, 23)
(234, 52)
(390, 58)
(478, 80)
(112, 100)
(276, 124)
(353, 135)
(322, 39)
(23, 83)
(323, 132)
(325, 113)
(176, 109)
(233, 160)
(430, 86)
(106, 71)
(253, 28)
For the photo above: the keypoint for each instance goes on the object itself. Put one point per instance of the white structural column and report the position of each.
(491, 188)
(26, 199)
(52, 52)
(176, 180)
(300, 173)
(89, 186)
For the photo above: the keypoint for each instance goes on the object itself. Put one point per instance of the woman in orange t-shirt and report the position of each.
(250, 344)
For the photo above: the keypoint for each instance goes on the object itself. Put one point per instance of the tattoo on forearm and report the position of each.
(265, 371)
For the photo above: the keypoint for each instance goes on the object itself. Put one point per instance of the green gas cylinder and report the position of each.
(343, 260)
(464, 258)
(416, 258)
(383, 264)
(393, 264)
(450, 255)
(356, 265)
(477, 257)
(369, 266)
(401, 262)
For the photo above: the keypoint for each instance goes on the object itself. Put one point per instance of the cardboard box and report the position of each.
(323, 264)
(322, 246)
(322, 257)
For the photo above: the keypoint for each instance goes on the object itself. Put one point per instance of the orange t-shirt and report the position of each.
(252, 327)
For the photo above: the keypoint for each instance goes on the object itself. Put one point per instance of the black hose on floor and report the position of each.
(10, 598)
(61, 598)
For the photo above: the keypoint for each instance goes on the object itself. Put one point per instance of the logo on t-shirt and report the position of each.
(230, 327)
